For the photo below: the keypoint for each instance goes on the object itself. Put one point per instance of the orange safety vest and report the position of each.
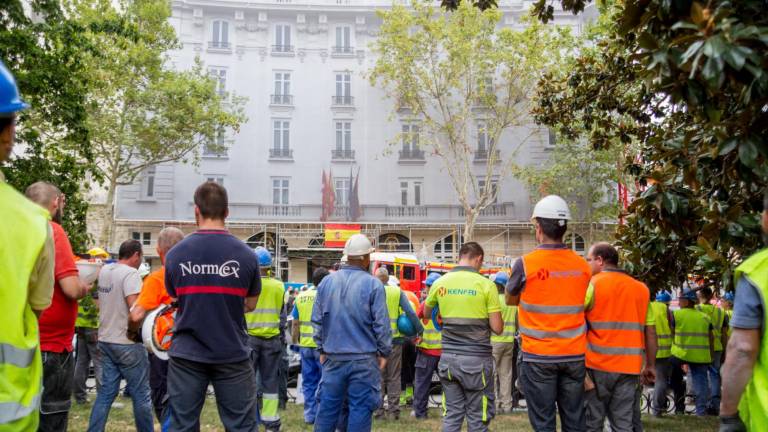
(616, 323)
(551, 310)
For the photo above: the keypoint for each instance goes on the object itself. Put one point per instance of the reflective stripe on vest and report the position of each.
(304, 304)
(264, 320)
(754, 400)
(551, 311)
(21, 371)
(691, 342)
(663, 331)
(509, 315)
(393, 307)
(616, 322)
(431, 338)
(717, 318)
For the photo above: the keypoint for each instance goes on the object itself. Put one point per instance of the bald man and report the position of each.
(153, 295)
(57, 322)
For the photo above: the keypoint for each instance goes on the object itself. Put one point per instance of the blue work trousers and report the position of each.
(311, 371)
(714, 383)
(357, 381)
(700, 384)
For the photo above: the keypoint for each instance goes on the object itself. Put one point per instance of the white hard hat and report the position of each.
(393, 281)
(144, 269)
(552, 207)
(358, 245)
(157, 331)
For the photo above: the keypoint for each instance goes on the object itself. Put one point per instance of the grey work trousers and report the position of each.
(265, 357)
(667, 374)
(613, 397)
(390, 380)
(554, 385)
(467, 391)
(504, 362)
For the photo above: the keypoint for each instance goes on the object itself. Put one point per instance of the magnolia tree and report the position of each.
(459, 74)
(141, 112)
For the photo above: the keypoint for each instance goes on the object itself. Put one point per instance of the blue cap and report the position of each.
(431, 278)
(10, 100)
(501, 278)
(265, 258)
(728, 297)
(663, 296)
(689, 294)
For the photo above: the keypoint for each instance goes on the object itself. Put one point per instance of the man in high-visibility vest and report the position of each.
(397, 303)
(429, 349)
(26, 282)
(302, 334)
(728, 308)
(621, 334)
(549, 285)
(504, 353)
(745, 372)
(469, 306)
(266, 325)
(665, 370)
(719, 326)
(693, 345)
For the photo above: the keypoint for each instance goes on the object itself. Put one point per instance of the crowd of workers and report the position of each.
(572, 336)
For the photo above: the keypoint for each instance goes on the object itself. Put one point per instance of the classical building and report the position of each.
(311, 111)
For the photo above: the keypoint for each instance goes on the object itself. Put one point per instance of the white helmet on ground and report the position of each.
(358, 245)
(552, 207)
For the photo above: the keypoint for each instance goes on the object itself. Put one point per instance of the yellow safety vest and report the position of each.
(264, 321)
(22, 238)
(304, 303)
(431, 338)
(729, 314)
(393, 307)
(752, 407)
(717, 318)
(663, 330)
(509, 314)
(691, 342)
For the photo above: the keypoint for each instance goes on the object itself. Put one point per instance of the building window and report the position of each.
(283, 38)
(343, 40)
(282, 138)
(494, 189)
(282, 88)
(551, 138)
(575, 242)
(343, 89)
(220, 34)
(215, 178)
(343, 136)
(484, 141)
(341, 187)
(445, 247)
(280, 191)
(144, 237)
(217, 147)
(411, 192)
(148, 183)
(219, 75)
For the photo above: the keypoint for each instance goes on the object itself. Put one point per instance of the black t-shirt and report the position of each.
(210, 273)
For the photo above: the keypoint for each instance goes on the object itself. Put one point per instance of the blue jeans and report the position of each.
(129, 362)
(311, 371)
(357, 381)
(700, 384)
(714, 382)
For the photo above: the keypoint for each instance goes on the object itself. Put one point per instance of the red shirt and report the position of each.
(57, 323)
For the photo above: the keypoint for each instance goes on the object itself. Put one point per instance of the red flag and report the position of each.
(331, 194)
(324, 193)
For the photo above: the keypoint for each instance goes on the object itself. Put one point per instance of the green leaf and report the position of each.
(727, 146)
(648, 42)
(748, 153)
(736, 56)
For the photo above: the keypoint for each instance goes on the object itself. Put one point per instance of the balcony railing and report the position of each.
(279, 210)
(405, 211)
(280, 153)
(281, 99)
(342, 50)
(342, 154)
(219, 45)
(484, 155)
(491, 211)
(342, 100)
(282, 48)
(412, 154)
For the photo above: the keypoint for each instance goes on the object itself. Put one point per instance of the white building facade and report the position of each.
(301, 65)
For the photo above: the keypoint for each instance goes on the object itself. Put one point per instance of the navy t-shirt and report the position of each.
(210, 273)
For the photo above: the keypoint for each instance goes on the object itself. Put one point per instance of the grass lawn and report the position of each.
(121, 420)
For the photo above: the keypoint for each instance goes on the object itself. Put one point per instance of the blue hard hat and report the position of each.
(689, 294)
(431, 278)
(435, 315)
(405, 326)
(663, 296)
(265, 258)
(501, 278)
(728, 297)
(10, 101)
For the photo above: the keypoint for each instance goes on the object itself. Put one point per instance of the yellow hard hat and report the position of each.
(98, 252)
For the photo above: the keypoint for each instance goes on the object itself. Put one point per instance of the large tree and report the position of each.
(451, 70)
(141, 112)
(689, 82)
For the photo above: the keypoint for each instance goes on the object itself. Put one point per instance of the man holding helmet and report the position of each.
(353, 336)
(550, 285)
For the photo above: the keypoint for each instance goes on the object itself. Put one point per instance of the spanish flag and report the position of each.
(336, 235)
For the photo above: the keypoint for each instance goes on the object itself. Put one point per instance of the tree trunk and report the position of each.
(470, 218)
(105, 239)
